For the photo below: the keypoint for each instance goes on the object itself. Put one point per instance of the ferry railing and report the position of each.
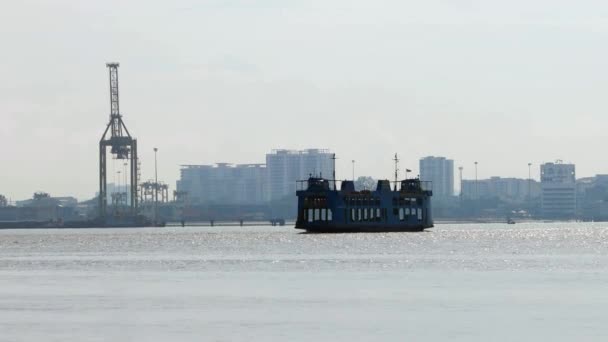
(334, 184)
(301, 185)
(424, 185)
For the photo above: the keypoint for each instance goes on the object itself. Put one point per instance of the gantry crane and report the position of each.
(122, 146)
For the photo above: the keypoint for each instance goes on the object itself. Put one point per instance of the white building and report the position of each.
(506, 189)
(224, 183)
(285, 167)
(558, 190)
(440, 171)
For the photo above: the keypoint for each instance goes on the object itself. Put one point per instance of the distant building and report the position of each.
(592, 198)
(506, 189)
(440, 171)
(42, 199)
(43, 207)
(224, 183)
(285, 167)
(558, 190)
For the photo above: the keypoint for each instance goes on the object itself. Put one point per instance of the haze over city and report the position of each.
(500, 83)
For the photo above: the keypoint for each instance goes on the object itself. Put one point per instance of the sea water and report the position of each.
(464, 282)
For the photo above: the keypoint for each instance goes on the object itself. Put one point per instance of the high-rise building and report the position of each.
(224, 183)
(440, 171)
(285, 167)
(558, 190)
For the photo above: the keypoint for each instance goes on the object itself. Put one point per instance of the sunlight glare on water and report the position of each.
(543, 281)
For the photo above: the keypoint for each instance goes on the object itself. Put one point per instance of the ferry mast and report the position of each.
(396, 159)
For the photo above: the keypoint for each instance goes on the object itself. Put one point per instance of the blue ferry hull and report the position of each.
(336, 228)
(405, 207)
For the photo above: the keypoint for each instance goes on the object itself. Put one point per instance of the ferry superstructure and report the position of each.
(393, 206)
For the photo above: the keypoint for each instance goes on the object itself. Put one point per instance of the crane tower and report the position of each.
(122, 146)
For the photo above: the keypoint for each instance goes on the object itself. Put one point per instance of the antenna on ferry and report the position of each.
(396, 170)
(333, 158)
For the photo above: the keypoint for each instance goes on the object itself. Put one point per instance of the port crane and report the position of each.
(122, 146)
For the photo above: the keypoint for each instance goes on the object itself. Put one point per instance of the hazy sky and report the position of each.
(501, 82)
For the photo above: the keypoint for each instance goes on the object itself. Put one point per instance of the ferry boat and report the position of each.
(394, 206)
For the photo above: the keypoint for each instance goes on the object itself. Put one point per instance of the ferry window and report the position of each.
(323, 214)
(407, 211)
(353, 215)
(371, 214)
(310, 215)
(359, 211)
(317, 214)
(419, 214)
(365, 214)
(329, 215)
(401, 216)
(378, 213)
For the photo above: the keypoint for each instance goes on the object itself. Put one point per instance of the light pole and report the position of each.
(476, 191)
(476, 183)
(126, 187)
(529, 187)
(353, 170)
(460, 176)
(155, 187)
(118, 193)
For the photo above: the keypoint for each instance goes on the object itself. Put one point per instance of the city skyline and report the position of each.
(347, 175)
(501, 84)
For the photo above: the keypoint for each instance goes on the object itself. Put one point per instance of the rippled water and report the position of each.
(453, 282)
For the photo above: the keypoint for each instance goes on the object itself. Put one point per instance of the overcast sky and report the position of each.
(501, 82)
